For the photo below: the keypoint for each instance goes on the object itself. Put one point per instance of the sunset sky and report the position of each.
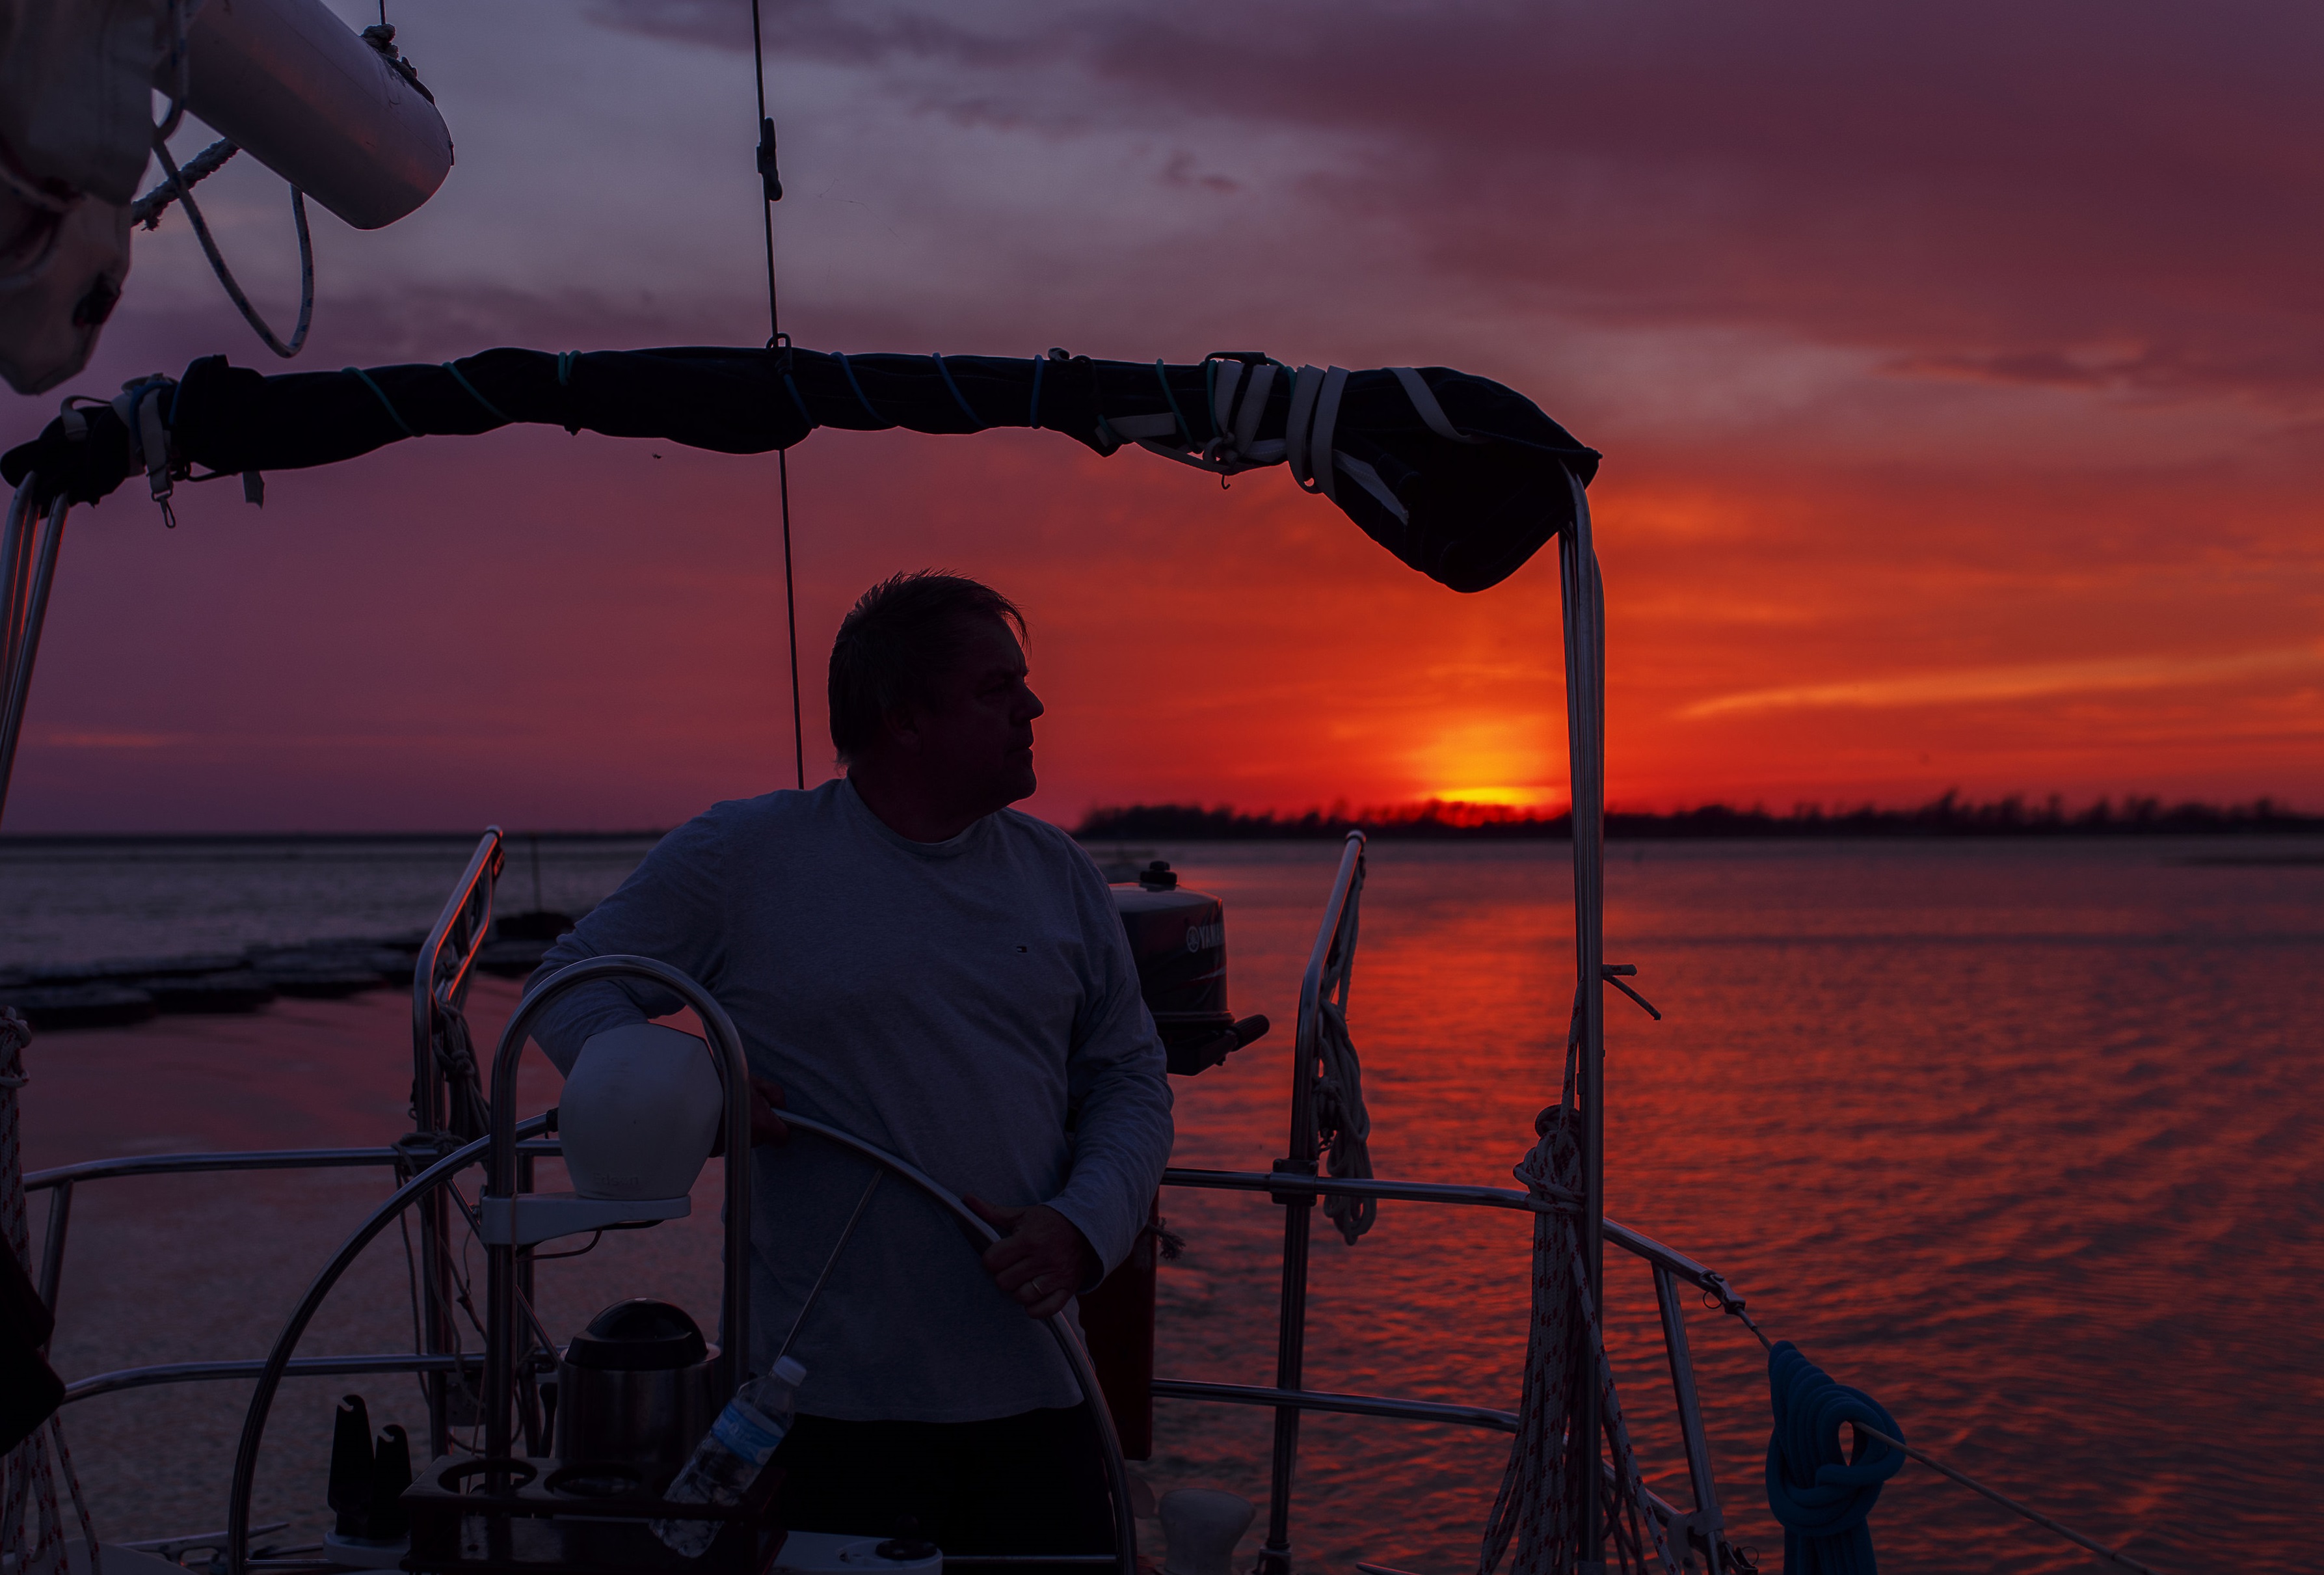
(1959, 371)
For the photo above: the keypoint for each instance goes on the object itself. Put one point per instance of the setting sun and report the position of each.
(1502, 761)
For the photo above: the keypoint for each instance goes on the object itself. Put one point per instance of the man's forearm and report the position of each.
(1121, 1146)
(574, 1016)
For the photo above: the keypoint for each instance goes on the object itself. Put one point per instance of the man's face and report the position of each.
(974, 745)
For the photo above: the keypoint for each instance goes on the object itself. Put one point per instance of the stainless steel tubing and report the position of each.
(501, 1179)
(1690, 1410)
(1646, 1246)
(436, 989)
(62, 1179)
(1282, 1185)
(14, 553)
(112, 1382)
(53, 1246)
(173, 1164)
(270, 1377)
(24, 626)
(1299, 1217)
(1622, 1236)
(471, 899)
(1347, 1404)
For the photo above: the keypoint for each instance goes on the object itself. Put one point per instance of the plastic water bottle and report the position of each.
(732, 1454)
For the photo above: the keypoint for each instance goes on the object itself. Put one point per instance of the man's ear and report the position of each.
(902, 723)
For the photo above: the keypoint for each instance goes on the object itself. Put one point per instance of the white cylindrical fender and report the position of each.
(314, 103)
(640, 1113)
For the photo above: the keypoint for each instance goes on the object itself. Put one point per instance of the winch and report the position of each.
(1178, 937)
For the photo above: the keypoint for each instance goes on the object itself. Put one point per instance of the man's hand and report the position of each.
(1040, 1261)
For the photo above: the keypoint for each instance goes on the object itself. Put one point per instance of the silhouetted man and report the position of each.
(911, 960)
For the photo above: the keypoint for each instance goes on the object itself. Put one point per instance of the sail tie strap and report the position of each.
(1239, 397)
(1343, 1126)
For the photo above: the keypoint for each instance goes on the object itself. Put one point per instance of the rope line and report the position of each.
(959, 398)
(1717, 1290)
(790, 614)
(770, 191)
(461, 378)
(149, 209)
(394, 414)
(184, 188)
(2035, 1515)
(1553, 1466)
(869, 409)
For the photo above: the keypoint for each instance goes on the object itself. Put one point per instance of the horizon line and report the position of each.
(2019, 809)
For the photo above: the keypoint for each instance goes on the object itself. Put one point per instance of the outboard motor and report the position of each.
(1179, 938)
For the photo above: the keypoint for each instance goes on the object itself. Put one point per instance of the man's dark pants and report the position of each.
(1033, 1483)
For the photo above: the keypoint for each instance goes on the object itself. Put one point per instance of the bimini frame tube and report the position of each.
(1585, 740)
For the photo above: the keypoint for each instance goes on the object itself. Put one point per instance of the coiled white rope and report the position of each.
(184, 188)
(1553, 1465)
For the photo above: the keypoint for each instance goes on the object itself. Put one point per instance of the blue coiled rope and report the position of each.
(1821, 1497)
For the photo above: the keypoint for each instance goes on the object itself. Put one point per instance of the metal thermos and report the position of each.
(638, 1387)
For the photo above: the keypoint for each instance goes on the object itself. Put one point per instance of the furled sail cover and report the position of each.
(1461, 477)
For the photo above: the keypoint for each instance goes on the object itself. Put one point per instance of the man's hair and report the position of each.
(901, 635)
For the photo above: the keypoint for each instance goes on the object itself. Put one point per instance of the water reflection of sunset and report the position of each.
(1937, 1108)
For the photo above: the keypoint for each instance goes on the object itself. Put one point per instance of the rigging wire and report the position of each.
(770, 191)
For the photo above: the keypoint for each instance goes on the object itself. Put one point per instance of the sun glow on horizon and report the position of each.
(1490, 761)
(1550, 797)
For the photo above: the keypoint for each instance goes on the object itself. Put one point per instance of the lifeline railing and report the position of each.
(1703, 1528)
(445, 1112)
(450, 1378)
(1331, 937)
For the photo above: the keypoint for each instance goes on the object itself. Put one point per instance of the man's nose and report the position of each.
(1030, 707)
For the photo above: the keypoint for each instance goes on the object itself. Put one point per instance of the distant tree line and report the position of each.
(1949, 815)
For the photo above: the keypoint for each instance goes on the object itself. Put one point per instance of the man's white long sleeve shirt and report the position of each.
(970, 1004)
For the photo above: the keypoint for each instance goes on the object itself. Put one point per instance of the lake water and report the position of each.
(2020, 1137)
